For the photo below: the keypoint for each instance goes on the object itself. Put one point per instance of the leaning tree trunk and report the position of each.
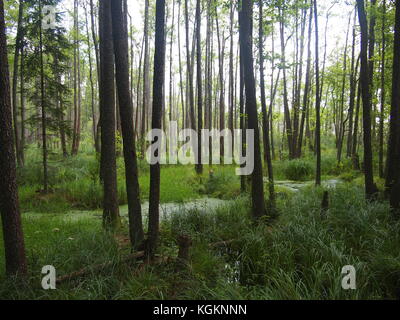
(9, 206)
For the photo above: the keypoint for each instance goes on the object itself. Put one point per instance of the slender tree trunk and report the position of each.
(231, 76)
(288, 122)
(91, 83)
(221, 58)
(158, 81)
(111, 219)
(342, 123)
(126, 113)
(43, 107)
(22, 101)
(366, 98)
(189, 71)
(199, 166)
(353, 88)
(267, 145)
(383, 93)
(18, 49)
(318, 100)
(146, 78)
(257, 192)
(393, 155)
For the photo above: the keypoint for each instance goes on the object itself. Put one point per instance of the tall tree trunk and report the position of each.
(199, 166)
(180, 67)
(342, 122)
(91, 83)
(22, 101)
(158, 81)
(120, 36)
(353, 88)
(189, 71)
(393, 155)
(146, 78)
(15, 259)
(221, 58)
(18, 49)
(366, 98)
(111, 219)
(307, 86)
(354, 154)
(267, 145)
(43, 107)
(288, 122)
(257, 192)
(317, 100)
(383, 93)
(231, 76)
(77, 89)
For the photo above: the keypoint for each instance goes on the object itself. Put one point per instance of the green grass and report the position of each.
(300, 256)
(74, 184)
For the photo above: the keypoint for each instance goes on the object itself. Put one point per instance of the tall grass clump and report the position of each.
(298, 170)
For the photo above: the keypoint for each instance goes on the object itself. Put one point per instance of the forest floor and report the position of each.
(297, 253)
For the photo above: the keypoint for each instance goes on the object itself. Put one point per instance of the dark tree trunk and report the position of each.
(158, 81)
(393, 157)
(189, 71)
(288, 122)
(43, 107)
(267, 145)
(111, 219)
(318, 100)
(146, 78)
(9, 206)
(22, 99)
(199, 166)
(383, 93)
(353, 89)
(221, 58)
(91, 84)
(307, 86)
(126, 114)
(366, 98)
(246, 40)
(18, 49)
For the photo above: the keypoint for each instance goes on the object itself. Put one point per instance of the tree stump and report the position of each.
(325, 204)
(184, 243)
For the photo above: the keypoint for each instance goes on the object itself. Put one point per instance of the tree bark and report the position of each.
(128, 134)
(257, 192)
(199, 166)
(366, 98)
(158, 81)
(15, 259)
(318, 100)
(393, 156)
(111, 219)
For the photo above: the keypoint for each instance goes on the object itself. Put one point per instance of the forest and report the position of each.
(200, 149)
